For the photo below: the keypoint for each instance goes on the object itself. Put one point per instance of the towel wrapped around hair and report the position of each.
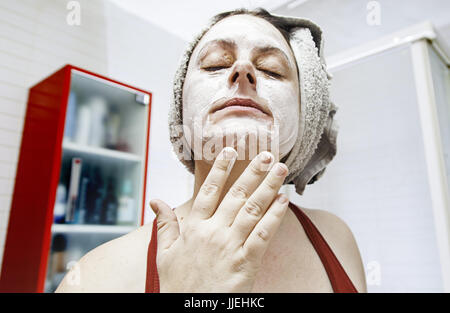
(315, 146)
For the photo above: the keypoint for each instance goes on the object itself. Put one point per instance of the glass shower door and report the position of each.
(441, 86)
(378, 181)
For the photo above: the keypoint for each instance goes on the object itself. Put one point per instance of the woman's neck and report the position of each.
(202, 169)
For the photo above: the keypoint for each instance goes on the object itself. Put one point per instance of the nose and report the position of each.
(243, 74)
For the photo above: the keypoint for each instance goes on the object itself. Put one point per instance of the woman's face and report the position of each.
(244, 58)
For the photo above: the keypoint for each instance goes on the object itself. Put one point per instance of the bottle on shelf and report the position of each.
(71, 117)
(83, 122)
(127, 209)
(95, 197)
(82, 205)
(60, 204)
(99, 109)
(75, 172)
(112, 128)
(58, 260)
(110, 204)
(122, 145)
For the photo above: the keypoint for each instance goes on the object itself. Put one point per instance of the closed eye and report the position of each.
(217, 68)
(275, 75)
(213, 68)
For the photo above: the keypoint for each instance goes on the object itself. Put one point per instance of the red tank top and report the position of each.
(339, 279)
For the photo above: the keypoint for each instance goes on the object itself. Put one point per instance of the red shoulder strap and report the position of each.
(152, 280)
(339, 279)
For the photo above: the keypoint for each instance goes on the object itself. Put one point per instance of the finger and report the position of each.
(258, 241)
(167, 223)
(207, 198)
(256, 206)
(243, 187)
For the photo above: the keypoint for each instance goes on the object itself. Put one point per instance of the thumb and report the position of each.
(167, 223)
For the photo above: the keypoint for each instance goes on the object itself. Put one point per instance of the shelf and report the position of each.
(53, 112)
(87, 229)
(108, 153)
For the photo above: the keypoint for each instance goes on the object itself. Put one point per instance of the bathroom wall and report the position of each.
(147, 56)
(36, 40)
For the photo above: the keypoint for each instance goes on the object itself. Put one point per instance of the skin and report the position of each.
(233, 235)
(219, 69)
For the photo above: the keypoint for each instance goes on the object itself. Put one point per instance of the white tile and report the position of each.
(2, 247)
(15, 77)
(8, 170)
(11, 123)
(5, 205)
(6, 186)
(24, 65)
(9, 138)
(8, 154)
(13, 92)
(12, 107)
(53, 16)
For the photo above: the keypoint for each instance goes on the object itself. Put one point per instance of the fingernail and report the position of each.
(280, 169)
(229, 153)
(266, 157)
(283, 199)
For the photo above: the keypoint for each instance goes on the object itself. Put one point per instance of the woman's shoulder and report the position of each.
(118, 265)
(342, 242)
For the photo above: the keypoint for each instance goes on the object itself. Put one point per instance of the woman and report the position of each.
(248, 75)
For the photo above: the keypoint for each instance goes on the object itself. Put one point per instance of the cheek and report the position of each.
(197, 93)
(283, 101)
(289, 104)
(289, 119)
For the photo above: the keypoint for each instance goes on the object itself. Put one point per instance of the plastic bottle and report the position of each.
(83, 129)
(95, 197)
(71, 117)
(58, 260)
(98, 121)
(127, 207)
(110, 204)
(60, 204)
(112, 129)
(82, 205)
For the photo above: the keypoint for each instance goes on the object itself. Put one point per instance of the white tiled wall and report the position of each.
(35, 41)
(148, 57)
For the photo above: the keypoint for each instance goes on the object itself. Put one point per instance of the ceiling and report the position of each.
(185, 18)
(344, 22)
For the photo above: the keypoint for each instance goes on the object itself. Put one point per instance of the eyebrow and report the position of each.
(231, 44)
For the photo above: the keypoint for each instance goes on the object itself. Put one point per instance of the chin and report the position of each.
(247, 144)
(249, 136)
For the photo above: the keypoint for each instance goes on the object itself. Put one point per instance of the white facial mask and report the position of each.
(204, 89)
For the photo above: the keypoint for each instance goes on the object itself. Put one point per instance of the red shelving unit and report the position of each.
(81, 175)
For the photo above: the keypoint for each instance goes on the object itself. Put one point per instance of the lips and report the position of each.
(242, 102)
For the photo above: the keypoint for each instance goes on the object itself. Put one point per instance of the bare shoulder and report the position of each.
(118, 265)
(343, 243)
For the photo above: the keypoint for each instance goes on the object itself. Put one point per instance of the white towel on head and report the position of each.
(315, 146)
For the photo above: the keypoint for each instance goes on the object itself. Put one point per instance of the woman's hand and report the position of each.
(219, 246)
